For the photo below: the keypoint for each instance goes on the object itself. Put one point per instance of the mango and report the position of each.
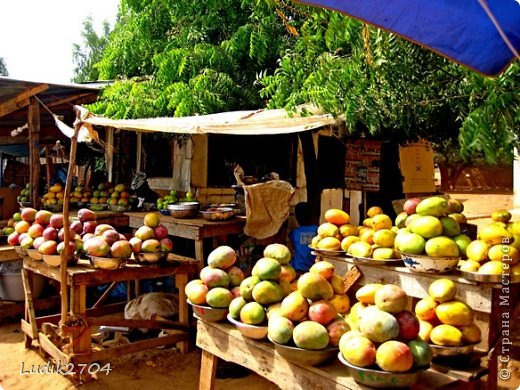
(222, 257)
(491, 268)
(235, 306)
(391, 298)
(426, 226)
(435, 206)
(121, 248)
(504, 253)
(495, 234)
(286, 287)
(322, 311)
(394, 356)
(336, 217)
(377, 325)
(279, 252)
(196, 291)
(336, 330)
(468, 265)
(455, 206)
(462, 241)
(348, 230)
(477, 250)
(329, 243)
(425, 329)
(246, 287)
(442, 290)
(400, 220)
(280, 329)
(273, 310)
(214, 277)
(384, 238)
(267, 269)
(310, 335)
(236, 275)
(450, 227)
(381, 221)
(441, 246)
(314, 287)
(410, 243)
(328, 229)
(287, 273)
(446, 335)
(425, 309)
(341, 302)
(219, 297)
(454, 313)
(471, 333)
(348, 241)
(374, 210)
(408, 325)
(151, 246)
(367, 293)
(384, 254)
(266, 292)
(421, 352)
(323, 268)
(252, 313)
(357, 350)
(337, 284)
(355, 314)
(360, 249)
(294, 306)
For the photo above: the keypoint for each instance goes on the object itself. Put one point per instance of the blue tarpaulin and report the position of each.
(464, 31)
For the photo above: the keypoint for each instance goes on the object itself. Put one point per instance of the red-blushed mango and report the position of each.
(280, 329)
(310, 335)
(322, 311)
(357, 350)
(151, 246)
(121, 249)
(222, 257)
(196, 291)
(337, 217)
(279, 252)
(219, 297)
(394, 356)
(95, 246)
(336, 329)
(287, 273)
(425, 309)
(408, 325)
(294, 306)
(49, 248)
(236, 275)
(314, 287)
(323, 268)
(391, 298)
(28, 214)
(214, 277)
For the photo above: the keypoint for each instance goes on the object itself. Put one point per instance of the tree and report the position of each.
(85, 58)
(3, 68)
(179, 57)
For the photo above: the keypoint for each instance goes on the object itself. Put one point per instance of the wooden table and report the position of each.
(222, 340)
(8, 253)
(196, 229)
(80, 277)
(488, 301)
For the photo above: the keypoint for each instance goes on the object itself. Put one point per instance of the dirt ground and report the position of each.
(165, 368)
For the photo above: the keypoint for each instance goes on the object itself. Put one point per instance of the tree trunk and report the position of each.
(450, 175)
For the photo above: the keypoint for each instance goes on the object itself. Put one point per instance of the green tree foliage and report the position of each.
(3, 68)
(388, 87)
(85, 57)
(179, 57)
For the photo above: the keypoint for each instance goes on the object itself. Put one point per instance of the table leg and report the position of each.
(180, 282)
(81, 339)
(208, 370)
(199, 251)
(30, 315)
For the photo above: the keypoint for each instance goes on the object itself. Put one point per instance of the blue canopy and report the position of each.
(461, 30)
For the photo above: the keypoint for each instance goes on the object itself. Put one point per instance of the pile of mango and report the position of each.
(431, 227)
(269, 283)
(496, 248)
(152, 236)
(311, 316)
(375, 239)
(218, 282)
(106, 193)
(383, 332)
(54, 195)
(25, 194)
(444, 320)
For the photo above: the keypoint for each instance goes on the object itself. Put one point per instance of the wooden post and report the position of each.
(139, 152)
(33, 121)
(109, 152)
(48, 165)
(66, 224)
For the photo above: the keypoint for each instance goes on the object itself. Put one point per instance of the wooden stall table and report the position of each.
(8, 253)
(196, 229)
(222, 340)
(83, 275)
(488, 301)
(117, 220)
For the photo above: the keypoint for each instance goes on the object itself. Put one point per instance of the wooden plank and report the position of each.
(7, 253)
(27, 328)
(208, 370)
(415, 284)
(29, 306)
(150, 324)
(180, 282)
(10, 309)
(137, 346)
(33, 120)
(47, 345)
(93, 312)
(21, 100)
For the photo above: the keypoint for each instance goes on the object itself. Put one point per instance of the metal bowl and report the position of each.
(19, 250)
(118, 208)
(440, 350)
(106, 262)
(55, 260)
(489, 278)
(218, 213)
(34, 254)
(53, 207)
(429, 264)
(151, 258)
(305, 357)
(97, 206)
(257, 332)
(208, 313)
(184, 209)
(382, 379)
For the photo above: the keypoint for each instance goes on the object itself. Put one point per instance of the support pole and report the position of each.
(109, 153)
(33, 121)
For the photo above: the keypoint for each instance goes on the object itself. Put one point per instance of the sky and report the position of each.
(37, 36)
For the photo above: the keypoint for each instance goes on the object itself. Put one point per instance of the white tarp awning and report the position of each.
(257, 122)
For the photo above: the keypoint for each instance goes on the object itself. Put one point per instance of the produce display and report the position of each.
(151, 237)
(496, 248)
(444, 320)
(384, 335)
(25, 194)
(173, 197)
